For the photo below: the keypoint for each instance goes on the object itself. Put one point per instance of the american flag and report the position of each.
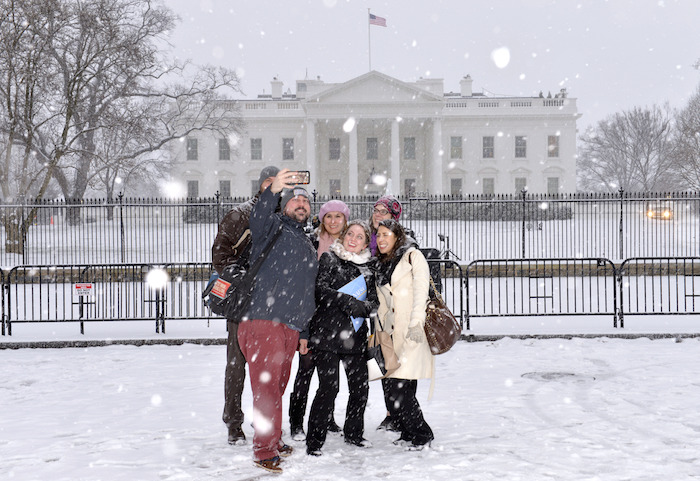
(374, 20)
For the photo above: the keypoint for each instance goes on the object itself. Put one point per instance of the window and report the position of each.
(192, 189)
(456, 186)
(224, 150)
(192, 149)
(254, 186)
(334, 186)
(334, 149)
(520, 184)
(409, 186)
(488, 185)
(255, 149)
(372, 148)
(455, 147)
(520, 147)
(553, 146)
(409, 148)
(552, 185)
(225, 188)
(287, 149)
(487, 147)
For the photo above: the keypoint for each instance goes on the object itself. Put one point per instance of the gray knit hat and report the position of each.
(289, 194)
(267, 172)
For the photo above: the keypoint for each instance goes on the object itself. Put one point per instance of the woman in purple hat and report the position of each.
(386, 207)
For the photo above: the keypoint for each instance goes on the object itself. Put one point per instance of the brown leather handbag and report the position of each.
(441, 327)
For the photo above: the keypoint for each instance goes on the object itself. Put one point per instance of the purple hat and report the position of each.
(391, 204)
(334, 206)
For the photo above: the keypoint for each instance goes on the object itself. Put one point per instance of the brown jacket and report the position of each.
(233, 236)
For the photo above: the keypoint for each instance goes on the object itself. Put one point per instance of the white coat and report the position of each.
(402, 305)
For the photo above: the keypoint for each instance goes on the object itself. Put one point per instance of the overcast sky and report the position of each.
(610, 55)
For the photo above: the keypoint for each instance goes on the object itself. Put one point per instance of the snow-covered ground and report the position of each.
(511, 409)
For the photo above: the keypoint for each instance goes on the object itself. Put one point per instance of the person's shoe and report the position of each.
(272, 464)
(314, 452)
(333, 427)
(298, 434)
(388, 425)
(236, 437)
(285, 450)
(362, 443)
(401, 442)
(417, 447)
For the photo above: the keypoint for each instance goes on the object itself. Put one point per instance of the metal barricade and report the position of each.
(659, 285)
(541, 287)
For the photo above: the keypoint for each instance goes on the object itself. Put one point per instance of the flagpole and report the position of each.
(369, 41)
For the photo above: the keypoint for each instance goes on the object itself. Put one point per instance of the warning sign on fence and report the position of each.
(83, 289)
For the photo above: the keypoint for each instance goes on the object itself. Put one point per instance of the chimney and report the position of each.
(465, 86)
(276, 88)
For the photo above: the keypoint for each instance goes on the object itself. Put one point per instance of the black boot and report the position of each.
(236, 436)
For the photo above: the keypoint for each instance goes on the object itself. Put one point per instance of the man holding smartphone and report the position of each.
(281, 307)
(232, 244)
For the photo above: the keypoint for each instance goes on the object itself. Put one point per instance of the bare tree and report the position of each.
(686, 143)
(76, 77)
(629, 150)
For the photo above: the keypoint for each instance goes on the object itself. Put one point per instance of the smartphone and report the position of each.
(301, 176)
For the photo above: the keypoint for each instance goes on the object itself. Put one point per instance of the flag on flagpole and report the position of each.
(374, 20)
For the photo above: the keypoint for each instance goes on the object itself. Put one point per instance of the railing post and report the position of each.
(523, 193)
(121, 225)
(622, 247)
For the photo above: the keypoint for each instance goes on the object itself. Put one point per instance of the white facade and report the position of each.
(375, 133)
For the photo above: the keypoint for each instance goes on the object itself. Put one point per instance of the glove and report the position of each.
(357, 308)
(415, 334)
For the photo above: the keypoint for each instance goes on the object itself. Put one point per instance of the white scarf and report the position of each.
(361, 258)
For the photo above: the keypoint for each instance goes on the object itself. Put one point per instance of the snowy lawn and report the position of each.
(557, 409)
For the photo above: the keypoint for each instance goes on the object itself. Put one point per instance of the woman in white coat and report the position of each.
(403, 280)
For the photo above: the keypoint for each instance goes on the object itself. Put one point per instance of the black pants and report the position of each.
(406, 412)
(327, 364)
(234, 379)
(300, 393)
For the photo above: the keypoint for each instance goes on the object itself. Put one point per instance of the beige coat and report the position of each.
(402, 304)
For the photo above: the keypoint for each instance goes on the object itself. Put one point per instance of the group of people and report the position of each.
(301, 302)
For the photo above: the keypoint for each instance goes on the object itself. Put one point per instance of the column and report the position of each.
(395, 159)
(436, 177)
(311, 161)
(352, 161)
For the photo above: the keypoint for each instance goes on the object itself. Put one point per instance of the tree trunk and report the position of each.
(14, 234)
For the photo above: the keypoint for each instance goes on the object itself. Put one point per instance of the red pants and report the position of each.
(268, 348)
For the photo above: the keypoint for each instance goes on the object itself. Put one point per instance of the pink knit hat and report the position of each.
(334, 206)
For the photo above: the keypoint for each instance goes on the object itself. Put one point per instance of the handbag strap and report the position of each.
(432, 284)
(255, 267)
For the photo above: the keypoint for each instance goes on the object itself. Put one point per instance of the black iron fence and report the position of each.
(464, 229)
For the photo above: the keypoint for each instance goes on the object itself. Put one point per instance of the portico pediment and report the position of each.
(373, 88)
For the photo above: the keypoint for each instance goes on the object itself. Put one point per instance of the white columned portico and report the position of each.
(311, 161)
(352, 161)
(436, 167)
(395, 158)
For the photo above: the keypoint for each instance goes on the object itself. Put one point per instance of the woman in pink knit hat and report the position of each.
(333, 216)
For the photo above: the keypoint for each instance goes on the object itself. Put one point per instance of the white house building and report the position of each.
(374, 134)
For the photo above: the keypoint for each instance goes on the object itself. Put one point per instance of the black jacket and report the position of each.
(283, 289)
(331, 327)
